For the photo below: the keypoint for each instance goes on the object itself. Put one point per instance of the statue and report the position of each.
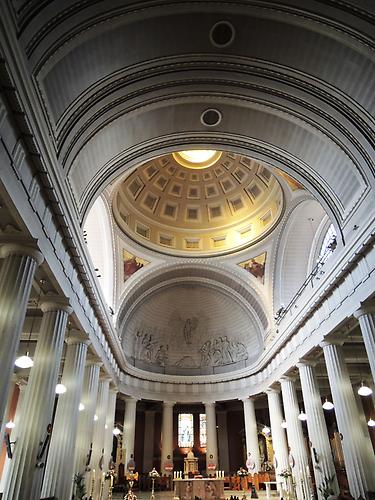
(250, 463)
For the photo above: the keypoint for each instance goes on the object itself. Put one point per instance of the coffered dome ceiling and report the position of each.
(181, 206)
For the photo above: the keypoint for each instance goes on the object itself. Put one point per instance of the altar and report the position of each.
(204, 488)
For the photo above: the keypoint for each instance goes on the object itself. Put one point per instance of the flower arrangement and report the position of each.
(242, 472)
(285, 473)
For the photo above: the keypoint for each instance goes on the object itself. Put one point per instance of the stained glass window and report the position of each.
(202, 430)
(185, 430)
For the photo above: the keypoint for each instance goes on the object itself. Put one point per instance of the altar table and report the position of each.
(205, 488)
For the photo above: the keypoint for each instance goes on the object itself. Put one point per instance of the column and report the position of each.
(167, 436)
(316, 424)
(16, 277)
(251, 433)
(108, 438)
(211, 448)
(223, 445)
(296, 440)
(13, 434)
(129, 430)
(148, 445)
(279, 443)
(59, 473)
(97, 459)
(365, 316)
(359, 467)
(86, 416)
(29, 455)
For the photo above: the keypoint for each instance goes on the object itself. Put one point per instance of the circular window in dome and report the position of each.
(197, 158)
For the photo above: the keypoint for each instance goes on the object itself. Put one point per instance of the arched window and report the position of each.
(202, 430)
(185, 430)
(329, 242)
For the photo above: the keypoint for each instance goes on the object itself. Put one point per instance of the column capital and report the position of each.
(92, 360)
(366, 308)
(20, 246)
(328, 342)
(169, 403)
(76, 336)
(52, 302)
(287, 378)
(209, 403)
(272, 390)
(131, 399)
(306, 362)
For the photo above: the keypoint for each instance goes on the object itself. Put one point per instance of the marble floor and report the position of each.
(168, 495)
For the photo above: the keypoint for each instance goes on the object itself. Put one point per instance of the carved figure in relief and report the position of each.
(190, 326)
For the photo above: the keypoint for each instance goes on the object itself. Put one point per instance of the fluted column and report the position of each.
(211, 447)
(109, 426)
(108, 439)
(129, 430)
(279, 443)
(167, 436)
(366, 319)
(251, 433)
(29, 458)
(16, 277)
(86, 416)
(316, 424)
(295, 438)
(359, 466)
(223, 445)
(148, 444)
(58, 477)
(15, 431)
(97, 460)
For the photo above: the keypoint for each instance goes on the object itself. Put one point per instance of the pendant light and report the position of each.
(364, 390)
(371, 422)
(328, 405)
(302, 416)
(25, 361)
(60, 389)
(283, 424)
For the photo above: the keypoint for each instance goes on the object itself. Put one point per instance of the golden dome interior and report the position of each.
(215, 209)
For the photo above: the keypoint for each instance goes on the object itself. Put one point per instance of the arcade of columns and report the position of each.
(77, 434)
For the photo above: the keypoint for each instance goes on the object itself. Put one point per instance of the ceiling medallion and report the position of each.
(197, 158)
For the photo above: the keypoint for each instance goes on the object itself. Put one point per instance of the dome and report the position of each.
(182, 205)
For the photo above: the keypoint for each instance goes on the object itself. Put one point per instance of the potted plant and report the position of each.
(325, 488)
(79, 486)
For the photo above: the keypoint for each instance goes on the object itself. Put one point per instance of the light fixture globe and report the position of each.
(24, 361)
(266, 430)
(81, 407)
(302, 416)
(328, 405)
(60, 389)
(364, 390)
(10, 424)
(197, 159)
(96, 418)
(116, 431)
(371, 422)
(283, 424)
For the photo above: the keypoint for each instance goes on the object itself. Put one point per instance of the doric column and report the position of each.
(211, 447)
(279, 443)
(316, 424)
(167, 436)
(16, 276)
(29, 455)
(97, 459)
(148, 444)
(86, 416)
(366, 319)
(223, 444)
(58, 477)
(129, 430)
(359, 467)
(251, 433)
(295, 438)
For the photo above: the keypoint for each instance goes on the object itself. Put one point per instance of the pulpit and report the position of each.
(190, 464)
